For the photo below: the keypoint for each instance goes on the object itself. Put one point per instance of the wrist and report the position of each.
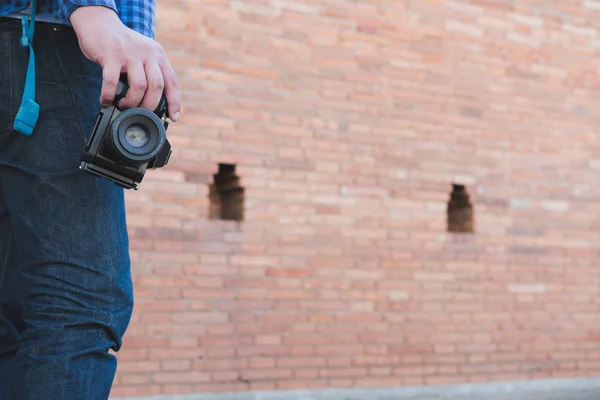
(86, 15)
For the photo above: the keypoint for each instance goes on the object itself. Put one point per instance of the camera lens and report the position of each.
(137, 136)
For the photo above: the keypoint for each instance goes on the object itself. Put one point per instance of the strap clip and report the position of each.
(25, 36)
(29, 112)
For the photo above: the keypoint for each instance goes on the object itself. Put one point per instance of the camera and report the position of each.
(124, 144)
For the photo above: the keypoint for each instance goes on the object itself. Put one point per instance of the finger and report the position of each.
(155, 87)
(110, 80)
(136, 78)
(172, 92)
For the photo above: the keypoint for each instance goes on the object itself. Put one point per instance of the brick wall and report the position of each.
(348, 124)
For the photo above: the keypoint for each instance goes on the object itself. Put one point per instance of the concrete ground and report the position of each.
(550, 389)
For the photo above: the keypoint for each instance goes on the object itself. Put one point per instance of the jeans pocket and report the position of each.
(77, 72)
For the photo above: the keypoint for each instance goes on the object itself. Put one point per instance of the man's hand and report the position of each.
(105, 40)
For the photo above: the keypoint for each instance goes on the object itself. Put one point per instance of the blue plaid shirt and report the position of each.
(135, 14)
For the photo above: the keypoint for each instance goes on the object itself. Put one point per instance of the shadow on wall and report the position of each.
(226, 195)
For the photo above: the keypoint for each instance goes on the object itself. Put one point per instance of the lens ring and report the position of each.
(152, 124)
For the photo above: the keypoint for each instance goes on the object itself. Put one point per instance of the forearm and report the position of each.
(82, 15)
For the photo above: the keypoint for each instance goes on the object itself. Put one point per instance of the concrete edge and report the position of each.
(440, 392)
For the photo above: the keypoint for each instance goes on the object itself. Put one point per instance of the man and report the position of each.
(65, 285)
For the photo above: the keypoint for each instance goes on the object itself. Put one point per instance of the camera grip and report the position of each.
(122, 88)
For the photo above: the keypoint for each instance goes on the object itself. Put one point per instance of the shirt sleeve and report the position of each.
(68, 6)
(135, 14)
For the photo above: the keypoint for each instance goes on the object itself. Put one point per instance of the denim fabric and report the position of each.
(66, 293)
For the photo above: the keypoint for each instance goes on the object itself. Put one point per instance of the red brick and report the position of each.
(198, 316)
(266, 374)
(342, 372)
(177, 388)
(180, 377)
(167, 353)
(134, 379)
(139, 366)
(220, 364)
(135, 390)
(156, 305)
(176, 365)
(262, 362)
(289, 272)
(144, 342)
(133, 354)
(224, 376)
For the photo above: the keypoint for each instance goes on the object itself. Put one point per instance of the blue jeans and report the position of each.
(66, 293)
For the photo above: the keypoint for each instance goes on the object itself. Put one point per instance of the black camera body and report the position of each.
(125, 144)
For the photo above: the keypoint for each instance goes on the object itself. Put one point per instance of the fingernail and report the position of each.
(176, 117)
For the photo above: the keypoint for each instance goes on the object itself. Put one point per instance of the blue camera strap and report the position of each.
(29, 112)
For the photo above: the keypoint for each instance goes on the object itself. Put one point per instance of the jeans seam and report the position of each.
(113, 277)
(5, 262)
(10, 83)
